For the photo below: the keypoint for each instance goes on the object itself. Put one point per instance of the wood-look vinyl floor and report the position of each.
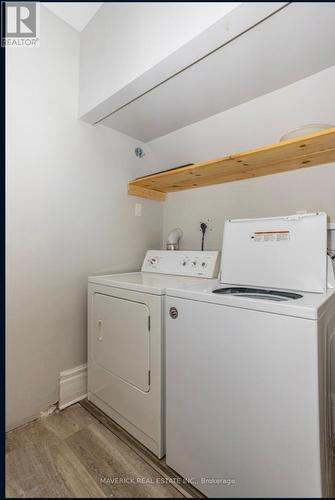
(71, 454)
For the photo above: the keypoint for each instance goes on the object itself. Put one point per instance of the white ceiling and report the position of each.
(76, 14)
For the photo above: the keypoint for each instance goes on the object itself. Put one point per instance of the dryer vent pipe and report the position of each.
(173, 239)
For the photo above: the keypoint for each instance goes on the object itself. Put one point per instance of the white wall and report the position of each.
(258, 122)
(124, 40)
(68, 216)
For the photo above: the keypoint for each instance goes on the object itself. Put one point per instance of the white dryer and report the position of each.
(248, 365)
(125, 339)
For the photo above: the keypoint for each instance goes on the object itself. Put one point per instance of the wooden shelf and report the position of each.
(300, 152)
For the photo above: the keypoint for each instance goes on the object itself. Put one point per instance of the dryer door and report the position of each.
(121, 343)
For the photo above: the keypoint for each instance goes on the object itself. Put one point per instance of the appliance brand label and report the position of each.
(274, 236)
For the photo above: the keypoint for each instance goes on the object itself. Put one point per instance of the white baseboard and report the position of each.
(72, 386)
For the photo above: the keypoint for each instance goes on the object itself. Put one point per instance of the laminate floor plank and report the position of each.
(69, 421)
(70, 454)
(24, 474)
(118, 470)
(21, 436)
(45, 466)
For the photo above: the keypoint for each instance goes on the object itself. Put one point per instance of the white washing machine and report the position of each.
(125, 339)
(248, 365)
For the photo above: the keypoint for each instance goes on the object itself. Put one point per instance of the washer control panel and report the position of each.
(184, 263)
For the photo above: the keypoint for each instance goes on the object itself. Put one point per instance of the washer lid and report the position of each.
(278, 252)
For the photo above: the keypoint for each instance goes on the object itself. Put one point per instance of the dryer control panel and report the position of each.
(184, 263)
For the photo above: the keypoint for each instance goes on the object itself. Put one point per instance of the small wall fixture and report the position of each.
(139, 152)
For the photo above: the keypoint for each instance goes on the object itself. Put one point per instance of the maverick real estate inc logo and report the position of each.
(20, 24)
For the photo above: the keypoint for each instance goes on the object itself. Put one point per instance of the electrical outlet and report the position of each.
(138, 209)
(209, 222)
